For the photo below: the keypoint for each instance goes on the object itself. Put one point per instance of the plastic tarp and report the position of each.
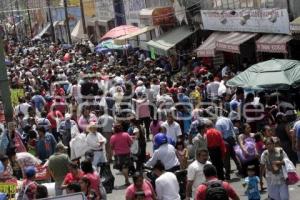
(278, 74)
(40, 35)
(170, 39)
(77, 33)
(295, 26)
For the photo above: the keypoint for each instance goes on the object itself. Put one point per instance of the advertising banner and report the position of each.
(244, 20)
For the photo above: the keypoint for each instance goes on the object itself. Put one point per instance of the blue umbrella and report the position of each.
(102, 50)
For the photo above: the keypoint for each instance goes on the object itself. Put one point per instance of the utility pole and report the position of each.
(29, 20)
(14, 22)
(4, 86)
(51, 21)
(83, 17)
(67, 22)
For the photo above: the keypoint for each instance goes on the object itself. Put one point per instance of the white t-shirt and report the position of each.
(167, 187)
(195, 174)
(173, 130)
(23, 107)
(212, 89)
(166, 153)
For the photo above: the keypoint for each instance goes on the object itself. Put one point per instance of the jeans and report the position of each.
(216, 159)
(58, 190)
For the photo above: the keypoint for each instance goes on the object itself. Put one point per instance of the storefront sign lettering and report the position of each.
(243, 20)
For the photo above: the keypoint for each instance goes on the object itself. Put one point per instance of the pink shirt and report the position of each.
(142, 109)
(154, 129)
(95, 181)
(147, 189)
(84, 122)
(120, 143)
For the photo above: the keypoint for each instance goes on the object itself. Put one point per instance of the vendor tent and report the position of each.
(272, 74)
(77, 33)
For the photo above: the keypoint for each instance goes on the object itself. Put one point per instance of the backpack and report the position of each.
(215, 191)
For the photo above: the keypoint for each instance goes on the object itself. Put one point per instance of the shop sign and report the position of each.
(276, 48)
(244, 20)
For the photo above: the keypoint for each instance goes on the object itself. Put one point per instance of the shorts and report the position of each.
(122, 162)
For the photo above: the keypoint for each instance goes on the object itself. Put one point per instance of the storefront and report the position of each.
(207, 50)
(295, 45)
(105, 17)
(272, 46)
(243, 27)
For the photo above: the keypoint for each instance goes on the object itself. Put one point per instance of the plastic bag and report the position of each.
(289, 172)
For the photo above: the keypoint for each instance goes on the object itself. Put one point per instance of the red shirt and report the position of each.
(214, 139)
(201, 190)
(52, 116)
(120, 143)
(70, 178)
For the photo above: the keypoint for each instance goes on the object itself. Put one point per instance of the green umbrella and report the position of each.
(273, 74)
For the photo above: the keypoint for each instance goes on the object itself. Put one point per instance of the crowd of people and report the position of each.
(77, 111)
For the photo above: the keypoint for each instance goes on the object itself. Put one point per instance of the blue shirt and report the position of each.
(252, 187)
(1, 167)
(297, 129)
(38, 102)
(187, 121)
(225, 126)
(45, 147)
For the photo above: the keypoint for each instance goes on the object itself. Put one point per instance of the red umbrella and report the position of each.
(120, 31)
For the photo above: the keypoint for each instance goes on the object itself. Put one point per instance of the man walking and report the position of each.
(195, 172)
(214, 189)
(58, 167)
(166, 185)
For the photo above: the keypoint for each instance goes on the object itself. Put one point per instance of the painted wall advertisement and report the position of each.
(263, 20)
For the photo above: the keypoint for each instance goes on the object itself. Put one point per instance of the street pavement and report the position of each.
(119, 192)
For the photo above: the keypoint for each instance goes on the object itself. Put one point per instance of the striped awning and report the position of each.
(232, 41)
(208, 48)
(273, 43)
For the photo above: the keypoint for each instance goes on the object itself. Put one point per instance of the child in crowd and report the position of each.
(182, 154)
(251, 183)
(259, 144)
